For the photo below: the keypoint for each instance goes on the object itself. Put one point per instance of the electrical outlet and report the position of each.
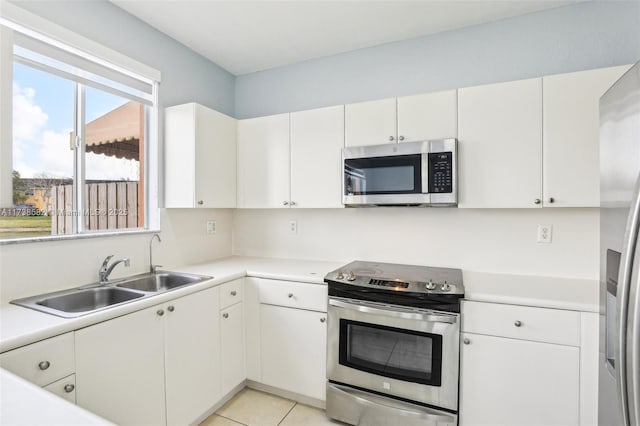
(211, 227)
(293, 227)
(544, 233)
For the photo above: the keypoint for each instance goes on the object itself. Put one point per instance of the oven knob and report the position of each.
(430, 285)
(340, 275)
(351, 277)
(445, 287)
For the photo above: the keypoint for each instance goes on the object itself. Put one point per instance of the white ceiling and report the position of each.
(246, 36)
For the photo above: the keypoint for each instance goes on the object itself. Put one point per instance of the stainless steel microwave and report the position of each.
(404, 174)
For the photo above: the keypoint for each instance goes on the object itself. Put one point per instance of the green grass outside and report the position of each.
(25, 222)
(24, 226)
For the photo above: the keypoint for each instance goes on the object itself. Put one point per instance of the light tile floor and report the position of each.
(254, 408)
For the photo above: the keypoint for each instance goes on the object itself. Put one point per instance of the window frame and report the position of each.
(13, 19)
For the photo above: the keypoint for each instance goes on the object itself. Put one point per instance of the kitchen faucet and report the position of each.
(153, 268)
(105, 269)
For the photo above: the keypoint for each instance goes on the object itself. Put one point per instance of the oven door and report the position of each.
(403, 352)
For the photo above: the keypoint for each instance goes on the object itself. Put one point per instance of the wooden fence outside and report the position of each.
(110, 205)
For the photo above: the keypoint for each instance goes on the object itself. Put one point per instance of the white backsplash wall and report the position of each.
(31, 268)
(489, 240)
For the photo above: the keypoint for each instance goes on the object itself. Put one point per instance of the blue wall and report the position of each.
(186, 76)
(577, 37)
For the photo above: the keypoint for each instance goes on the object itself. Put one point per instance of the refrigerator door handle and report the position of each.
(633, 344)
(622, 296)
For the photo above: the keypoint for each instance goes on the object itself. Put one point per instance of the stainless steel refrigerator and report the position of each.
(619, 375)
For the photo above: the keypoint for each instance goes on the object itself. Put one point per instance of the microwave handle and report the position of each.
(395, 312)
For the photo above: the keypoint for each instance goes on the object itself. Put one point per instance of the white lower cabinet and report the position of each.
(232, 362)
(521, 366)
(293, 350)
(152, 367)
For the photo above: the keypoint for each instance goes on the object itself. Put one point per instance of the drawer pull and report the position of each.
(518, 323)
(290, 295)
(225, 315)
(44, 365)
(160, 312)
(466, 341)
(69, 388)
(171, 308)
(233, 293)
(323, 319)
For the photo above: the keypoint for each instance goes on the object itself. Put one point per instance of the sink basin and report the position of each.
(161, 281)
(98, 296)
(89, 299)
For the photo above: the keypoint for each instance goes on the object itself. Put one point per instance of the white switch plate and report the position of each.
(544, 233)
(293, 227)
(211, 227)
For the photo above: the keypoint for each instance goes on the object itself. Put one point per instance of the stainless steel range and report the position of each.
(393, 344)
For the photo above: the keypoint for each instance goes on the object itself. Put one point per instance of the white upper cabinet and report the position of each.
(200, 158)
(263, 152)
(291, 160)
(428, 116)
(317, 139)
(405, 119)
(571, 171)
(500, 145)
(370, 123)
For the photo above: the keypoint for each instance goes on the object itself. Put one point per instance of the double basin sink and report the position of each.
(95, 297)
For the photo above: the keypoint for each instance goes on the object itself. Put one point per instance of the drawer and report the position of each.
(295, 295)
(64, 388)
(42, 362)
(522, 322)
(230, 293)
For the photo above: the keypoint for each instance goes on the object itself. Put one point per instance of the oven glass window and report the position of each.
(383, 175)
(391, 352)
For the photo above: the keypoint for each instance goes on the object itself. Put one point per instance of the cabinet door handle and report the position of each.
(285, 203)
(391, 138)
(44, 365)
(171, 308)
(518, 323)
(290, 295)
(200, 202)
(233, 293)
(293, 203)
(466, 341)
(552, 200)
(160, 312)
(537, 201)
(401, 138)
(225, 315)
(323, 319)
(69, 388)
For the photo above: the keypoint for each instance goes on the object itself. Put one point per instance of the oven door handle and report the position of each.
(395, 312)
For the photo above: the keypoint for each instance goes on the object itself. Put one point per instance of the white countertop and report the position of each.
(21, 326)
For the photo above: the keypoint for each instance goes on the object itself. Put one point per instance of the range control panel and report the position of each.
(440, 172)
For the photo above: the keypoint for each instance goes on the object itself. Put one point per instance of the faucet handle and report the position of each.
(105, 262)
(154, 268)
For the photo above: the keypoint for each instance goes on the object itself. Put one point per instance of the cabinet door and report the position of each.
(215, 159)
(252, 328)
(232, 344)
(179, 156)
(428, 116)
(192, 355)
(571, 149)
(120, 369)
(294, 350)
(64, 388)
(317, 139)
(518, 383)
(263, 159)
(500, 149)
(370, 123)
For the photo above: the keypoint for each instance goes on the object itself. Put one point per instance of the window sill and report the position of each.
(51, 238)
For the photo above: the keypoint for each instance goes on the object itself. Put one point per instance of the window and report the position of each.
(83, 143)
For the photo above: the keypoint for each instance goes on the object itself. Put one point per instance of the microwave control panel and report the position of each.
(440, 172)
